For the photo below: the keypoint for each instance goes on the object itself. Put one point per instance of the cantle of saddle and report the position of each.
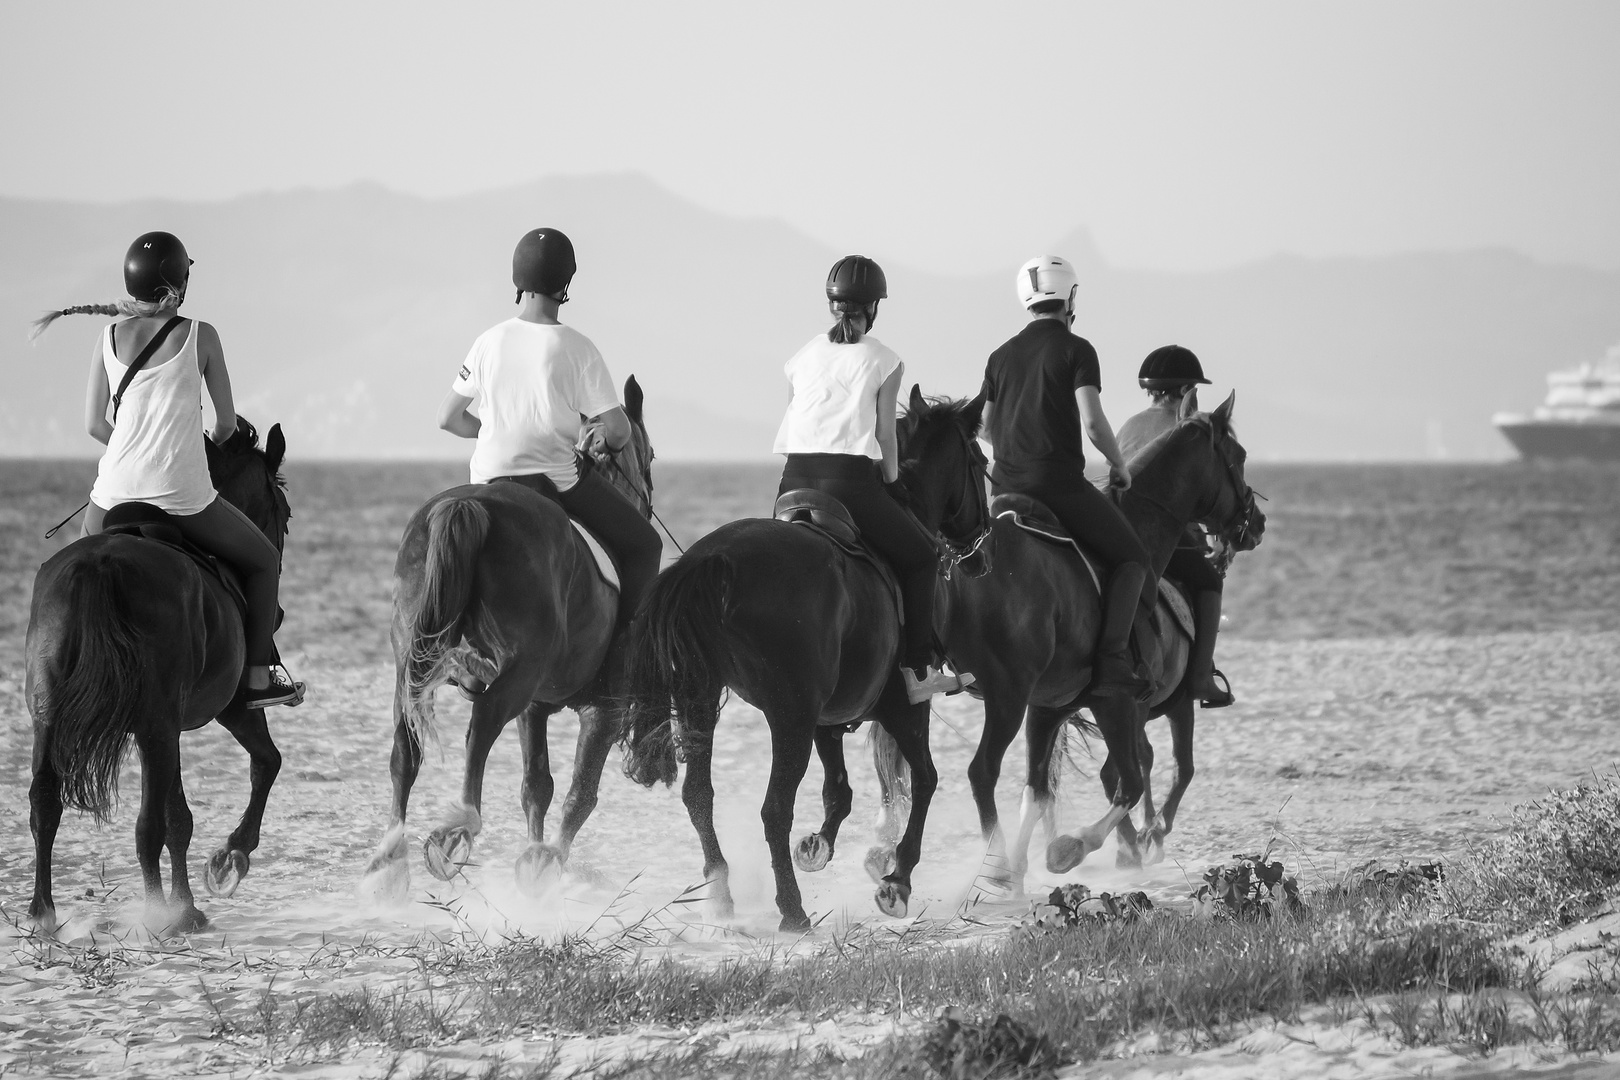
(150, 523)
(819, 509)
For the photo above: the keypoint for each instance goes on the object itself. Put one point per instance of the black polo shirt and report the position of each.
(1035, 425)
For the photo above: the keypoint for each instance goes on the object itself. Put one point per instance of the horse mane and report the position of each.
(937, 407)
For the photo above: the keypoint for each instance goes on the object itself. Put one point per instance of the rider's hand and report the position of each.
(597, 445)
(1119, 479)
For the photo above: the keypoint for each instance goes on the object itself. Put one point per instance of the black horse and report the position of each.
(1028, 631)
(809, 635)
(128, 639)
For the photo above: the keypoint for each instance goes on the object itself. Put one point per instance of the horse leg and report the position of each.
(448, 848)
(185, 918)
(1120, 721)
(597, 729)
(44, 816)
(539, 866)
(228, 865)
(1181, 741)
(792, 735)
(909, 725)
(387, 877)
(1129, 855)
(160, 764)
(1003, 716)
(815, 850)
(697, 793)
(1041, 733)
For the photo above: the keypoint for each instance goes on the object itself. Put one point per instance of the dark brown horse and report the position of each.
(493, 580)
(1028, 630)
(128, 640)
(809, 635)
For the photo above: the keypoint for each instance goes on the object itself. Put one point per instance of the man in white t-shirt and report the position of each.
(533, 379)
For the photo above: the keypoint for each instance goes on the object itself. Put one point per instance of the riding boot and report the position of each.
(1116, 674)
(1201, 660)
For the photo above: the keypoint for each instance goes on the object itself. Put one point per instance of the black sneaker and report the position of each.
(282, 690)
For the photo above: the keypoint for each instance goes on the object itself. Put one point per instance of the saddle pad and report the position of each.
(1172, 597)
(1054, 535)
(604, 561)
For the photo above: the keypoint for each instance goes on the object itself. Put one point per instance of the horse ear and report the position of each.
(917, 404)
(973, 413)
(1189, 404)
(275, 449)
(632, 399)
(1223, 412)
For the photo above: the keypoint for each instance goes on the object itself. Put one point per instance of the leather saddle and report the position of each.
(1037, 519)
(149, 523)
(826, 515)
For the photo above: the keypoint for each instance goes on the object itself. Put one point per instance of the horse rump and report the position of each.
(91, 688)
(436, 618)
(674, 664)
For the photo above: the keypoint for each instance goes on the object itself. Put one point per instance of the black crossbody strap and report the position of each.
(140, 361)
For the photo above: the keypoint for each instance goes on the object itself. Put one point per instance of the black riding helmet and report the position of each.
(156, 261)
(544, 263)
(1168, 367)
(857, 282)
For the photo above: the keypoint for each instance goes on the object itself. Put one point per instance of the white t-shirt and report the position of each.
(533, 385)
(835, 390)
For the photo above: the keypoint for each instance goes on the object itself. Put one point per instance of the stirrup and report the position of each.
(934, 681)
(1221, 696)
(281, 690)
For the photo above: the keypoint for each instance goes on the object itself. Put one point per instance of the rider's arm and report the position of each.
(613, 427)
(984, 424)
(211, 357)
(454, 417)
(887, 396)
(96, 397)
(1102, 435)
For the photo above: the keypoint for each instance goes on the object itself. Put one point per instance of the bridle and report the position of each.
(970, 555)
(1235, 532)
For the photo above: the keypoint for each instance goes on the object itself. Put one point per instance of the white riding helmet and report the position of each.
(1047, 278)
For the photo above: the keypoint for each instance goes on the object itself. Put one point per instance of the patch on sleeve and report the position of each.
(465, 373)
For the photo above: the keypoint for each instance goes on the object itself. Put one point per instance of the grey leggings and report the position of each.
(230, 535)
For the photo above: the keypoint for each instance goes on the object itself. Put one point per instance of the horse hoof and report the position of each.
(880, 862)
(1065, 853)
(1153, 848)
(225, 870)
(539, 870)
(1127, 858)
(386, 882)
(796, 922)
(187, 921)
(44, 921)
(892, 898)
(447, 852)
(812, 853)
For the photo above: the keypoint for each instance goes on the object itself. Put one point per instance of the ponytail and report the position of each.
(845, 331)
(167, 301)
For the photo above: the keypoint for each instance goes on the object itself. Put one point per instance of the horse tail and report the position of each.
(676, 670)
(94, 690)
(434, 624)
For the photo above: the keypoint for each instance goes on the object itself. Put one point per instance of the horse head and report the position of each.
(249, 477)
(629, 468)
(1202, 454)
(943, 470)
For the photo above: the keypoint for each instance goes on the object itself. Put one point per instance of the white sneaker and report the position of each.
(934, 681)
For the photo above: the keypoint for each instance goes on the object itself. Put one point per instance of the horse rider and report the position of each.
(839, 438)
(1042, 388)
(155, 452)
(533, 379)
(1169, 374)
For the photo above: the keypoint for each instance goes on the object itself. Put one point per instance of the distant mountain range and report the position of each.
(345, 314)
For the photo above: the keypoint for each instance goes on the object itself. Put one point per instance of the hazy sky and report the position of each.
(955, 136)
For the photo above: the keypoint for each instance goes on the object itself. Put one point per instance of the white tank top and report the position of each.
(156, 451)
(835, 391)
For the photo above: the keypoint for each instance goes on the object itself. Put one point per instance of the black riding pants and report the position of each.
(888, 528)
(1093, 519)
(629, 537)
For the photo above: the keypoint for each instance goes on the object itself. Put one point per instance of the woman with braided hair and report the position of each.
(155, 451)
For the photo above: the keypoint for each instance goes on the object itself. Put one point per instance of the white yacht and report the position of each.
(1579, 419)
